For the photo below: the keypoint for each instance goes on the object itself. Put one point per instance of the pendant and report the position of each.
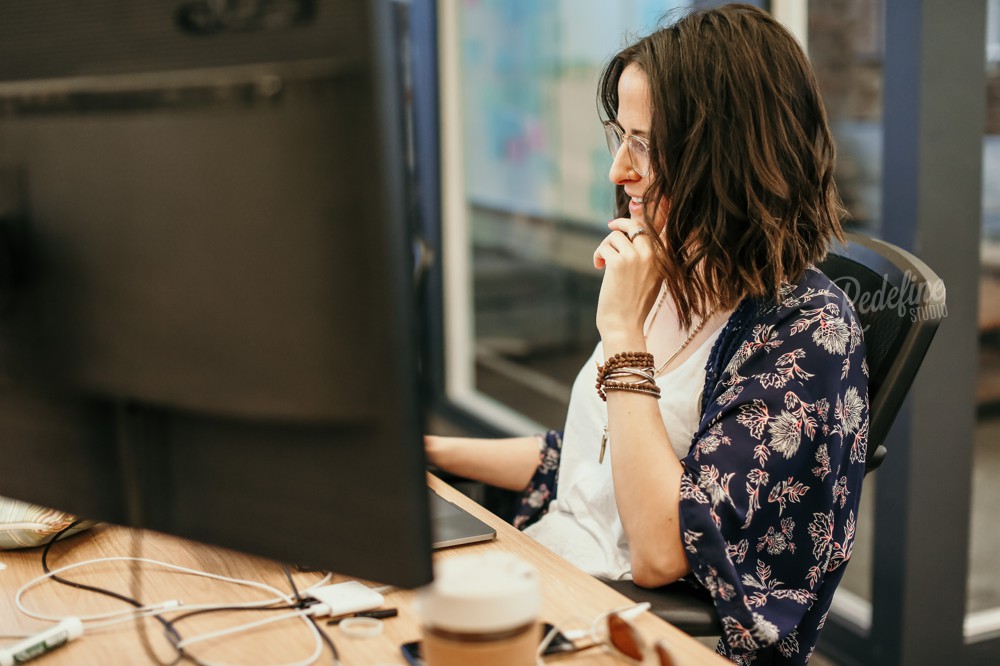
(604, 446)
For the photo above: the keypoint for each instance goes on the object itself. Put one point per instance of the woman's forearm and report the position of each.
(505, 463)
(647, 477)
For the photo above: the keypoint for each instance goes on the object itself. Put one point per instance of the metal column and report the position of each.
(934, 106)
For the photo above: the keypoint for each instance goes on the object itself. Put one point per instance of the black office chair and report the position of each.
(896, 346)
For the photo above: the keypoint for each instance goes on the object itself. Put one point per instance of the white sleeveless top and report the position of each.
(582, 524)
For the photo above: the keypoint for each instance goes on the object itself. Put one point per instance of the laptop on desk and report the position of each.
(452, 525)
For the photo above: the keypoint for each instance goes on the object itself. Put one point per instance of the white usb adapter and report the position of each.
(344, 598)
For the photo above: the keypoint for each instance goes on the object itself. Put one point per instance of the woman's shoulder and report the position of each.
(810, 337)
(814, 291)
(811, 318)
(813, 299)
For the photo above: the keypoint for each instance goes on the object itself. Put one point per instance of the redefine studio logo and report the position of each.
(918, 301)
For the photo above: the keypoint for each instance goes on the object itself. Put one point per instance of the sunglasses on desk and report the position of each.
(616, 632)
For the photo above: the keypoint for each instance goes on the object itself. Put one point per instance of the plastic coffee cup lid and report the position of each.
(480, 593)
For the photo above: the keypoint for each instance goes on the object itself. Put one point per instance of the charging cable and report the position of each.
(132, 613)
(43, 642)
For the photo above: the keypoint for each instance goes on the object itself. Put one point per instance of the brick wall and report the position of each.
(846, 49)
(845, 46)
(993, 99)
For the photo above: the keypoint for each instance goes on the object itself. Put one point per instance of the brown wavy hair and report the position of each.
(741, 155)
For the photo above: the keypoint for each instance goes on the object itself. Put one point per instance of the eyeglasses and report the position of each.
(616, 632)
(638, 147)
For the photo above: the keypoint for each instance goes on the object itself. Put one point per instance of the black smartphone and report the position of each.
(559, 645)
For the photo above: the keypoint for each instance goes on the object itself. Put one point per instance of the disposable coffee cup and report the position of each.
(481, 609)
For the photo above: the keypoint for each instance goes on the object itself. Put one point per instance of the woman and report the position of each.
(745, 475)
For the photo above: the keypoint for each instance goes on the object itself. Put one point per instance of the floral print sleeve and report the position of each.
(541, 489)
(772, 481)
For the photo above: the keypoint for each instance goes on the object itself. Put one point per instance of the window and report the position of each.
(526, 197)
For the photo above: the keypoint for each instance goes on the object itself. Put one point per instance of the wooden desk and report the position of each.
(568, 593)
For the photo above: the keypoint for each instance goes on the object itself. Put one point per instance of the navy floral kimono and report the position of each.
(772, 481)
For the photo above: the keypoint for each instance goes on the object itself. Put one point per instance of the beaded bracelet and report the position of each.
(627, 359)
(630, 386)
(627, 364)
(624, 360)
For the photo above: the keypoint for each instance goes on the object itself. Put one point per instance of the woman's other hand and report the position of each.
(505, 463)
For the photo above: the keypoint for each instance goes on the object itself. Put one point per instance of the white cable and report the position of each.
(137, 614)
(254, 604)
(316, 654)
(326, 579)
(281, 596)
(146, 611)
(303, 615)
(241, 628)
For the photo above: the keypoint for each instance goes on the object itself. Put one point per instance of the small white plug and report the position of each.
(318, 610)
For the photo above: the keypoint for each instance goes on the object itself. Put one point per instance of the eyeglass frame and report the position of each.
(659, 650)
(627, 139)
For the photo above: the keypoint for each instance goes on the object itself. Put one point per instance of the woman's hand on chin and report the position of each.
(631, 282)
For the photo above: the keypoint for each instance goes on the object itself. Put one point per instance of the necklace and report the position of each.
(691, 336)
(694, 333)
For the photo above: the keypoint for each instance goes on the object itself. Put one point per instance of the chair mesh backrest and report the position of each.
(884, 330)
(897, 336)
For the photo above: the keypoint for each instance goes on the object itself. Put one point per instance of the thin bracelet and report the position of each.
(644, 374)
(634, 388)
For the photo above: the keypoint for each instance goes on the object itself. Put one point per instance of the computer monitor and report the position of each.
(206, 308)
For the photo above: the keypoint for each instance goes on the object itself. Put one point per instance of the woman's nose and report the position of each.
(621, 167)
